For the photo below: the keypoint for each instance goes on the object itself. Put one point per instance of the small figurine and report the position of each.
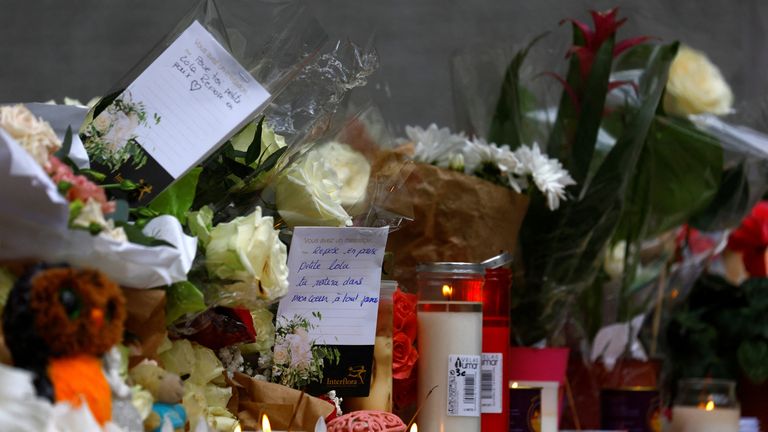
(58, 323)
(167, 389)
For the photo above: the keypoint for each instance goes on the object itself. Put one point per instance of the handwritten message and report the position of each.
(334, 280)
(199, 96)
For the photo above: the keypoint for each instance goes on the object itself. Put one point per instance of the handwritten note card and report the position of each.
(337, 272)
(178, 111)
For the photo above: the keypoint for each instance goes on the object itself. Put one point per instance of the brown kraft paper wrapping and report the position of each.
(255, 398)
(457, 217)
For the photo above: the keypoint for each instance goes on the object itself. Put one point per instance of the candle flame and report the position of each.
(414, 428)
(265, 427)
(710, 406)
(447, 291)
(515, 384)
(238, 428)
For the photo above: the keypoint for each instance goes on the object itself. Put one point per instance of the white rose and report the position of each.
(352, 170)
(34, 135)
(247, 250)
(308, 193)
(696, 86)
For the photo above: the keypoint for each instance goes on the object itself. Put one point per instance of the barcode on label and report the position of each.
(491, 383)
(463, 389)
(469, 389)
(486, 384)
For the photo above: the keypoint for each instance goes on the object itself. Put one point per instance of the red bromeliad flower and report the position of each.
(751, 239)
(606, 26)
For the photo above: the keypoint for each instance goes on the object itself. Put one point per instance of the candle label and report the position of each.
(634, 410)
(334, 281)
(525, 409)
(463, 388)
(490, 382)
(182, 107)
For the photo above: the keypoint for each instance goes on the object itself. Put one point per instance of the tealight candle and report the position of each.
(705, 405)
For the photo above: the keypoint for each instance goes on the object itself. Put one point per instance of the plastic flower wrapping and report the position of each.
(203, 264)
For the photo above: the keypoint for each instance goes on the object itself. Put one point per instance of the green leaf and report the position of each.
(566, 248)
(678, 175)
(559, 142)
(270, 163)
(254, 148)
(507, 121)
(93, 175)
(177, 199)
(135, 235)
(591, 113)
(753, 360)
(731, 202)
(182, 298)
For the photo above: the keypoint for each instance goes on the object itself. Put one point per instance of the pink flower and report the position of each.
(80, 187)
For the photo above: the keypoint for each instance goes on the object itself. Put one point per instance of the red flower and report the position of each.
(751, 239)
(404, 320)
(404, 356)
(691, 242)
(606, 26)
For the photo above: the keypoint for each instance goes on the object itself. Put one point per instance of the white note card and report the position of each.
(336, 272)
(184, 105)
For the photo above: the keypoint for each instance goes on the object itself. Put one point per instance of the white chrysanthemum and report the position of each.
(434, 145)
(478, 152)
(548, 174)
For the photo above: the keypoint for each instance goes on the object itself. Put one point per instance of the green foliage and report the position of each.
(507, 124)
(721, 331)
(182, 298)
(178, 198)
(137, 236)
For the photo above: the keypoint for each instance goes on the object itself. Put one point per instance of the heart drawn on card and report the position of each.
(194, 85)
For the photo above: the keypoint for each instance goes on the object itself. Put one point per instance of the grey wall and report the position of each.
(53, 48)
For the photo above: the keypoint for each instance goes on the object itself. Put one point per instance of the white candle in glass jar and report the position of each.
(550, 402)
(445, 329)
(693, 419)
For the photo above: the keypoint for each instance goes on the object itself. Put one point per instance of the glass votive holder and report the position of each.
(705, 405)
(450, 329)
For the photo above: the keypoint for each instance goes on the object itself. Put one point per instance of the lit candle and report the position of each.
(450, 327)
(705, 418)
(265, 427)
(705, 405)
(414, 428)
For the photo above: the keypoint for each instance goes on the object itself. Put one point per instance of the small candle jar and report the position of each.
(380, 396)
(495, 366)
(449, 311)
(705, 405)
